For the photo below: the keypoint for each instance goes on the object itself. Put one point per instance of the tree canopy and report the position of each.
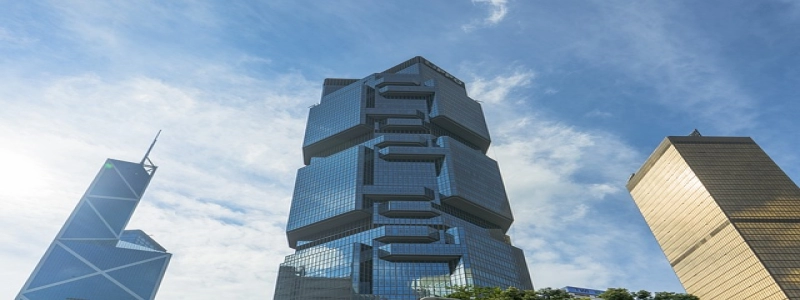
(624, 294)
(617, 294)
(496, 293)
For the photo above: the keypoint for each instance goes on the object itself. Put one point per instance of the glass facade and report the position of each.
(93, 257)
(725, 215)
(398, 200)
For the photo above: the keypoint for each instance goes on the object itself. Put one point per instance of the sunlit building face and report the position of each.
(398, 199)
(94, 256)
(725, 215)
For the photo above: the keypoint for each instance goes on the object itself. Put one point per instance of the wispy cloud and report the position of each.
(565, 185)
(497, 12)
(651, 44)
(566, 189)
(10, 38)
(230, 86)
(220, 197)
(497, 89)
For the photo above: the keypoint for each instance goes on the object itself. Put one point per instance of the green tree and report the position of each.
(616, 294)
(496, 293)
(474, 292)
(674, 296)
(643, 295)
(552, 294)
(512, 293)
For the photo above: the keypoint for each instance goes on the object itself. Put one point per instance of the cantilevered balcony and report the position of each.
(401, 124)
(392, 192)
(397, 139)
(408, 234)
(398, 90)
(418, 153)
(394, 112)
(397, 79)
(404, 209)
(420, 252)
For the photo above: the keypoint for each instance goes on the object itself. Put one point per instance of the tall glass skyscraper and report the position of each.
(93, 257)
(726, 216)
(398, 199)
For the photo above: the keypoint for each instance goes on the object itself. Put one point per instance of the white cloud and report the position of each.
(497, 89)
(498, 9)
(10, 38)
(104, 25)
(577, 213)
(563, 183)
(218, 201)
(106, 76)
(648, 41)
(230, 145)
(547, 156)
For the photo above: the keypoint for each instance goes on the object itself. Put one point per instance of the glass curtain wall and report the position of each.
(93, 256)
(726, 216)
(398, 199)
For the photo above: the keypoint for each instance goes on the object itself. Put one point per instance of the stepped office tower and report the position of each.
(398, 199)
(726, 216)
(93, 257)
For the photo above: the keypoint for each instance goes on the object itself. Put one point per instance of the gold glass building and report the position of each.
(726, 216)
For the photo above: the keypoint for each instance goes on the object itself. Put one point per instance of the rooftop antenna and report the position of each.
(150, 167)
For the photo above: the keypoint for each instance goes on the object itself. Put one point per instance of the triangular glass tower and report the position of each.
(93, 256)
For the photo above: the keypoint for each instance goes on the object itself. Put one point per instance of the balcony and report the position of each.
(408, 234)
(420, 252)
(401, 124)
(393, 192)
(416, 153)
(397, 79)
(397, 90)
(404, 209)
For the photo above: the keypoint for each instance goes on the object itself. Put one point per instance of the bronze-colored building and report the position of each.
(726, 216)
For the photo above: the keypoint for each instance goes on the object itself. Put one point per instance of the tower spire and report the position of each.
(149, 166)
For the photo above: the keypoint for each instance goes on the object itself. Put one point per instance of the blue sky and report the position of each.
(577, 94)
